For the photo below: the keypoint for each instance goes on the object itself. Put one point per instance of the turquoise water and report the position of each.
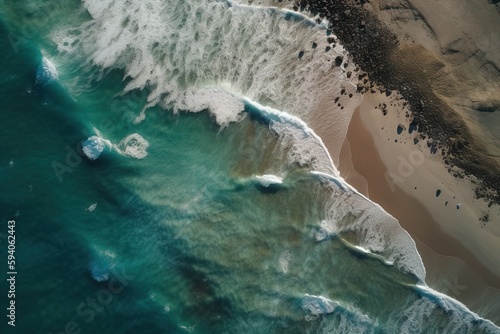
(230, 218)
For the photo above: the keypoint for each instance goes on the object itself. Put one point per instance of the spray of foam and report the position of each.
(376, 231)
(94, 146)
(413, 317)
(46, 72)
(206, 55)
(306, 147)
(351, 320)
(347, 210)
(264, 3)
(134, 145)
(317, 305)
(268, 179)
(196, 55)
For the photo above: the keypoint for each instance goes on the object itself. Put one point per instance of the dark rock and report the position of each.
(413, 127)
(372, 47)
(338, 61)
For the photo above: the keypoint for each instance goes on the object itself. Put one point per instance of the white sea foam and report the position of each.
(351, 320)
(317, 305)
(265, 3)
(46, 72)
(347, 210)
(330, 178)
(225, 106)
(306, 147)
(413, 318)
(198, 55)
(205, 55)
(376, 231)
(268, 179)
(94, 146)
(134, 145)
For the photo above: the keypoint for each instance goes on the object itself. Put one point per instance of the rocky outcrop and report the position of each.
(422, 75)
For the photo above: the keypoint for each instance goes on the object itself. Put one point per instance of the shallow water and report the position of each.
(175, 231)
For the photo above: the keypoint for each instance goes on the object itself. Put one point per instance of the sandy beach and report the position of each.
(459, 250)
(409, 173)
(423, 143)
(447, 70)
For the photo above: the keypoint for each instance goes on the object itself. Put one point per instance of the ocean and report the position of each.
(158, 165)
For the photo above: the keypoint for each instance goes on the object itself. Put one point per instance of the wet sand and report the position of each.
(441, 61)
(451, 267)
(412, 215)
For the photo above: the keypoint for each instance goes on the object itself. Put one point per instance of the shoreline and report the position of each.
(411, 214)
(451, 268)
(423, 143)
(393, 62)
